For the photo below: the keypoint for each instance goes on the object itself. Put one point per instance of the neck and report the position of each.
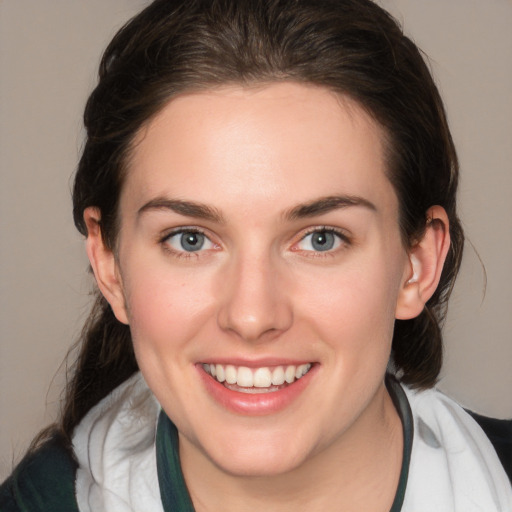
(359, 471)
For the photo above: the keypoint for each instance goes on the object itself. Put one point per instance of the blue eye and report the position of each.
(321, 240)
(189, 241)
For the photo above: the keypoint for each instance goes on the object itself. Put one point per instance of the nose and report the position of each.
(255, 304)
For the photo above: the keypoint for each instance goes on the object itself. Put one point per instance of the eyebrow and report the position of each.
(311, 209)
(327, 204)
(186, 208)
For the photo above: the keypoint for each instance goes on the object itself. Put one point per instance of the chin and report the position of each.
(264, 464)
(258, 454)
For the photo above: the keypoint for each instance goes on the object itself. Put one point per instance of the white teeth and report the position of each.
(302, 370)
(231, 374)
(263, 377)
(289, 374)
(244, 378)
(220, 374)
(278, 376)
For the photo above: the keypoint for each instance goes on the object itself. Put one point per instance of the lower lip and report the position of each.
(257, 404)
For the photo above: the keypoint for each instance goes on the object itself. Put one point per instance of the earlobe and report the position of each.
(426, 261)
(104, 265)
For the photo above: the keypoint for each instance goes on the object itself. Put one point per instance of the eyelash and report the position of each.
(344, 240)
(341, 235)
(164, 241)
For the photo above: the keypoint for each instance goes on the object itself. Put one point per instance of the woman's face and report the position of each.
(259, 241)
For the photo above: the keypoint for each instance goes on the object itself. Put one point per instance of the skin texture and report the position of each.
(259, 293)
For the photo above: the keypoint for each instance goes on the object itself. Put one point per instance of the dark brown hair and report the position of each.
(352, 47)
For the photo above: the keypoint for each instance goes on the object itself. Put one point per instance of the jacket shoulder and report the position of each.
(499, 432)
(44, 480)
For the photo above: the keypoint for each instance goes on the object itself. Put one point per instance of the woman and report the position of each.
(268, 195)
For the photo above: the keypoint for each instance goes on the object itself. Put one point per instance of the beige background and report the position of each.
(49, 50)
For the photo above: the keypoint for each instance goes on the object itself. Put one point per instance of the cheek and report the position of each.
(166, 308)
(353, 306)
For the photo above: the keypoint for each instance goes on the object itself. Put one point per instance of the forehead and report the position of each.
(263, 146)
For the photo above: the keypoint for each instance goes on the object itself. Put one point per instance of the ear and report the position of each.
(104, 265)
(426, 260)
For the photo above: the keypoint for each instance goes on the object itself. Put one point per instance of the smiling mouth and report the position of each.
(256, 380)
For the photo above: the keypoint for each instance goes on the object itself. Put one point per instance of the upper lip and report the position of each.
(255, 363)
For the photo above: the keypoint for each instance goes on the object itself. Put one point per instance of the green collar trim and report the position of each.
(173, 489)
(404, 411)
